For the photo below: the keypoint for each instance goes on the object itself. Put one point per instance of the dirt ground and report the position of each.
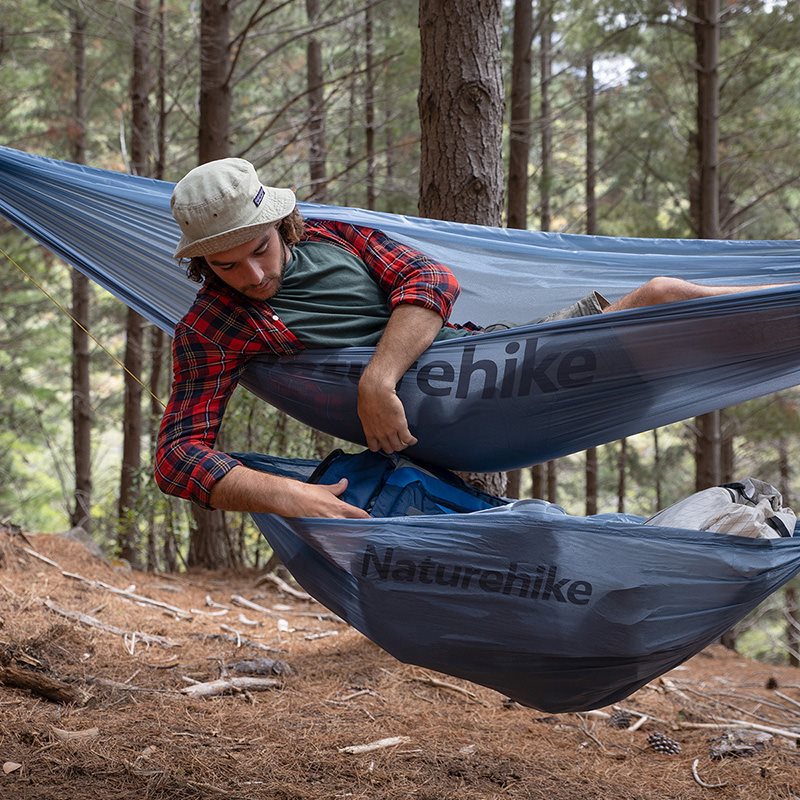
(130, 733)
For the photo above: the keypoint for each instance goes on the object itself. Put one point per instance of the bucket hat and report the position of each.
(222, 204)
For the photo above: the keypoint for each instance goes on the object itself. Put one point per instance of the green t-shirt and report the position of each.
(329, 298)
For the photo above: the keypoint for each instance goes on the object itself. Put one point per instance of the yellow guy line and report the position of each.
(82, 327)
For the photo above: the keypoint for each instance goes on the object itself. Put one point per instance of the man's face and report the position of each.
(254, 268)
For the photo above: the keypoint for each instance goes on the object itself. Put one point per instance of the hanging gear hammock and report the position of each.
(480, 403)
(559, 613)
(616, 603)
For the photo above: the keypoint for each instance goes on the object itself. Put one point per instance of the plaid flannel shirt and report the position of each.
(224, 329)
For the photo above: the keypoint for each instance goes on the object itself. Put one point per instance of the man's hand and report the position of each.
(409, 332)
(244, 489)
(318, 500)
(383, 417)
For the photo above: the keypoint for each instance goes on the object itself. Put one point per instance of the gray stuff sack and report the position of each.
(750, 508)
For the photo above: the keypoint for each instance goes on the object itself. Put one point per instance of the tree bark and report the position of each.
(520, 121)
(706, 37)
(591, 229)
(81, 292)
(461, 117)
(316, 109)
(134, 324)
(519, 141)
(208, 545)
(215, 90)
(545, 121)
(622, 469)
(461, 111)
(369, 104)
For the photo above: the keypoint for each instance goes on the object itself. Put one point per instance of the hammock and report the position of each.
(618, 603)
(495, 401)
(500, 400)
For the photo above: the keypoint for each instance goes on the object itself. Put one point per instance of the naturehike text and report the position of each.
(541, 583)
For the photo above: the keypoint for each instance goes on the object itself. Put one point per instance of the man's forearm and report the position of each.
(244, 489)
(410, 331)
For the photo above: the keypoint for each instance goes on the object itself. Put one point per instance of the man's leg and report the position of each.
(672, 290)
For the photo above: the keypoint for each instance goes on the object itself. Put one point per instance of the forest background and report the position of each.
(658, 119)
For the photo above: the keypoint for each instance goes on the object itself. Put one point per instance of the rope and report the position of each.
(82, 327)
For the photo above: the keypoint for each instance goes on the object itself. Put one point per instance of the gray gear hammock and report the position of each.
(496, 401)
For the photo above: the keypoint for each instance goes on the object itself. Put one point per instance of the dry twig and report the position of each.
(699, 780)
(283, 586)
(129, 636)
(230, 686)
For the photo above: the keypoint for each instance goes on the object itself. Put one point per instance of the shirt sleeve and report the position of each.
(204, 377)
(405, 274)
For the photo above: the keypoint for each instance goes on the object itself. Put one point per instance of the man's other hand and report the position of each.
(318, 500)
(244, 489)
(383, 417)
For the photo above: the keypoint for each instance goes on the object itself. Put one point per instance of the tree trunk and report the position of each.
(461, 119)
(520, 121)
(657, 471)
(134, 324)
(622, 469)
(215, 89)
(790, 600)
(591, 229)
(208, 546)
(545, 122)
(127, 537)
(706, 37)
(461, 111)
(316, 108)
(538, 472)
(369, 104)
(81, 292)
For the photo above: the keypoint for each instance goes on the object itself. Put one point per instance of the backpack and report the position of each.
(398, 486)
(749, 508)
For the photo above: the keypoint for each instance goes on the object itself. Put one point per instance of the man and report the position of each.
(274, 284)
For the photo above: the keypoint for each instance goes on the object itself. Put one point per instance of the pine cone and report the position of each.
(620, 719)
(663, 744)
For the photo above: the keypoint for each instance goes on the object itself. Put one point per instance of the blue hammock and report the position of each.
(559, 613)
(495, 401)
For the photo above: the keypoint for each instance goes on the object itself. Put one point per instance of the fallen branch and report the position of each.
(238, 600)
(740, 723)
(42, 685)
(283, 586)
(450, 686)
(229, 686)
(92, 622)
(699, 780)
(358, 749)
(132, 596)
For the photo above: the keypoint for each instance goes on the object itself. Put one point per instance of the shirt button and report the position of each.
(274, 316)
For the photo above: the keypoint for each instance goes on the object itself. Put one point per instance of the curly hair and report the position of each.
(291, 229)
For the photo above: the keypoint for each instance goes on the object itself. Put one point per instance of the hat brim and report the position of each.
(226, 240)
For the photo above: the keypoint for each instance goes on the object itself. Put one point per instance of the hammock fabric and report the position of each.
(617, 603)
(494, 401)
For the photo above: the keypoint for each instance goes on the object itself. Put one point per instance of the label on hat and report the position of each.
(259, 197)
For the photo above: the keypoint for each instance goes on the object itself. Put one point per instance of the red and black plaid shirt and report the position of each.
(224, 329)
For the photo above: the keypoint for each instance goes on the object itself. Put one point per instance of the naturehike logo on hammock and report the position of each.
(542, 583)
(548, 371)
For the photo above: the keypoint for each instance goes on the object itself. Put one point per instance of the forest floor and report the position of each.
(129, 732)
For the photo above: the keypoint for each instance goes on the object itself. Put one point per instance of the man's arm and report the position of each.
(244, 489)
(410, 331)
(188, 466)
(421, 292)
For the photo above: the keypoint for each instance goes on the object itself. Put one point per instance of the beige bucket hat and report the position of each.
(222, 204)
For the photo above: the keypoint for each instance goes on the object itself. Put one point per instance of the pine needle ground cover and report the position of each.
(106, 694)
